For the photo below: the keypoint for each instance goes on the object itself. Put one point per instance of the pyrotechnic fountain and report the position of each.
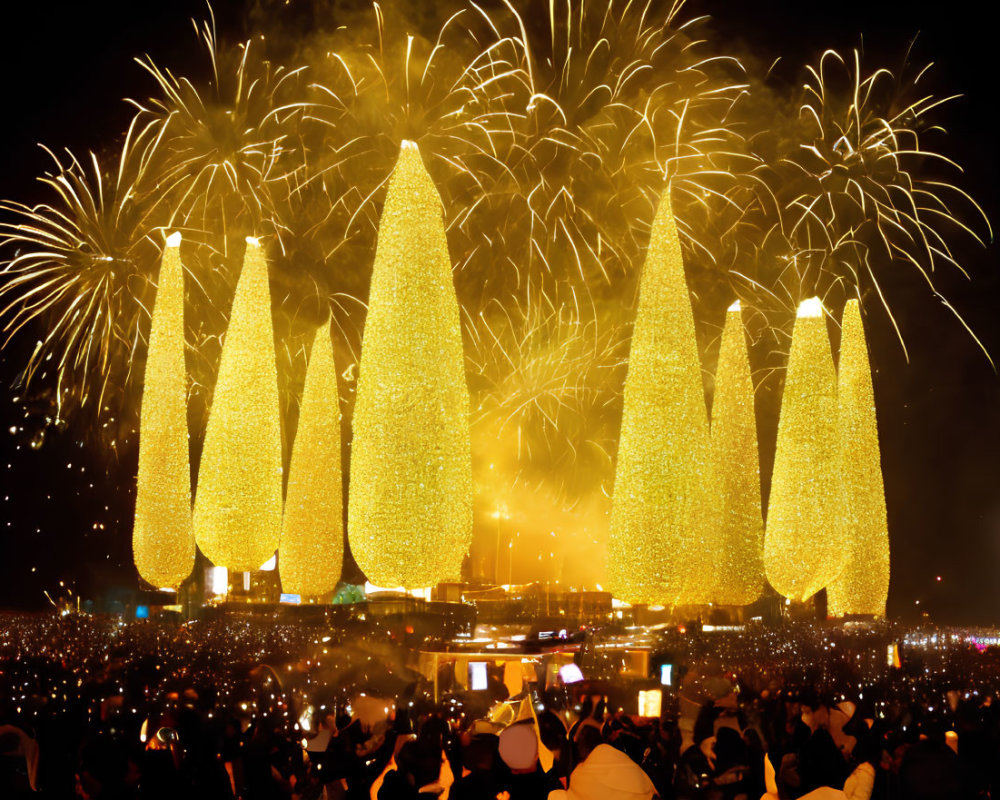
(664, 543)
(237, 512)
(311, 552)
(163, 536)
(737, 468)
(410, 504)
(804, 546)
(863, 586)
(546, 152)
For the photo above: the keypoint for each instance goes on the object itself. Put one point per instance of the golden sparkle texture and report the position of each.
(162, 537)
(863, 586)
(740, 578)
(410, 505)
(311, 552)
(804, 547)
(237, 512)
(663, 543)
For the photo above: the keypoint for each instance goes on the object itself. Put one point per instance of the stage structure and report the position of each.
(737, 466)
(311, 552)
(804, 546)
(238, 504)
(863, 586)
(664, 540)
(163, 536)
(410, 504)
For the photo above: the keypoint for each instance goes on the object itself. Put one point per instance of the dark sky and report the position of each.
(64, 67)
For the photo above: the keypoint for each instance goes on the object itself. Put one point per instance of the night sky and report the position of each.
(66, 506)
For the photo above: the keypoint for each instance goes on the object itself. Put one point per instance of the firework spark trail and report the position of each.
(856, 191)
(78, 264)
(226, 154)
(550, 139)
(546, 406)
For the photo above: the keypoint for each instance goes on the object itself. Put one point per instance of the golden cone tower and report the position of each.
(740, 579)
(162, 537)
(804, 548)
(664, 543)
(237, 513)
(410, 503)
(863, 586)
(311, 552)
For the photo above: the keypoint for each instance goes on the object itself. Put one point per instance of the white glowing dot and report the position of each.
(734, 307)
(812, 307)
(174, 239)
(253, 240)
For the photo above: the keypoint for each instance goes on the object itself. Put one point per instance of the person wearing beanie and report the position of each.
(519, 751)
(607, 774)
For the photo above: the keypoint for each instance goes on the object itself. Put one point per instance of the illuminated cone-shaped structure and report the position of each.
(410, 505)
(312, 533)
(804, 548)
(162, 538)
(664, 541)
(237, 513)
(863, 586)
(737, 468)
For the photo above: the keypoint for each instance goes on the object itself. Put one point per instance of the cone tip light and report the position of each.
(734, 307)
(254, 241)
(174, 239)
(812, 307)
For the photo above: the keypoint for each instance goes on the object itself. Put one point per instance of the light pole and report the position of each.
(500, 514)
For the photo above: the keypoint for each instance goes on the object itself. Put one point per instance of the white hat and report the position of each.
(606, 774)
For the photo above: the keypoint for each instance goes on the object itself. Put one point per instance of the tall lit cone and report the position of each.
(737, 468)
(162, 537)
(237, 514)
(664, 540)
(410, 503)
(863, 586)
(311, 552)
(804, 546)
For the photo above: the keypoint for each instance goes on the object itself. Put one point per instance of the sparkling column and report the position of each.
(804, 546)
(237, 513)
(863, 586)
(162, 537)
(664, 540)
(737, 467)
(311, 552)
(410, 503)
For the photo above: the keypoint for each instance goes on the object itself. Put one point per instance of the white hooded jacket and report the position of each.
(606, 774)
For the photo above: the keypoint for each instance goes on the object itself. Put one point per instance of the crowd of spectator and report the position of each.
(257, 709)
